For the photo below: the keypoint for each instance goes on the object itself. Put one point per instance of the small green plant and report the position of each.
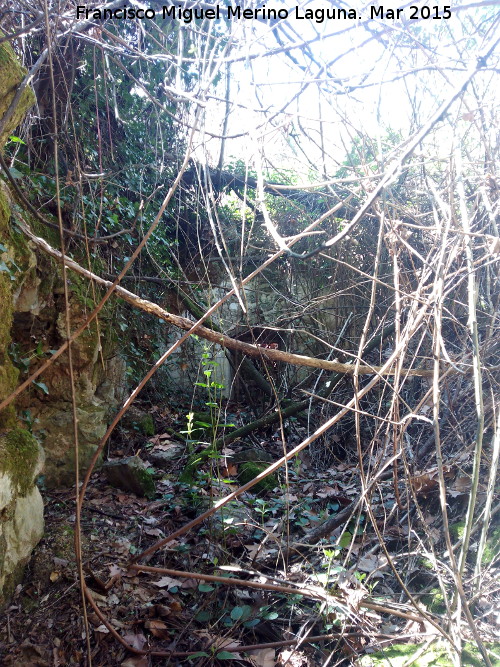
(24, 362)
(203, 427)
(7, 264)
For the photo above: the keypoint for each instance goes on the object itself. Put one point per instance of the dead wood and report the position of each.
(215, 337)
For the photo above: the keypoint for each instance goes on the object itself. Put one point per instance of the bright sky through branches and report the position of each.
(345, 77)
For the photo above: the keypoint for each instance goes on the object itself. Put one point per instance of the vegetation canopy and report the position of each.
(250, 261)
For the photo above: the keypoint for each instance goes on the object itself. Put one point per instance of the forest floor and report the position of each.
(347, 595)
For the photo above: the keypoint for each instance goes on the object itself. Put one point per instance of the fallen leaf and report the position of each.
(135, 640)
(217, 642)
(168, 583)
(115, 570)
(136, 661)
(263, 657)
(154, 532)
(157, 628)
(102, 629)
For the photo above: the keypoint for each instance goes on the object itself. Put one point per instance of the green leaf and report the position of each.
(225, 655)
(200, 654)
(236, 613)
(42, 386)
(205, 588)
(16, 140)
(203, 616)
(271, 616)
(15, 173)
(345, 540)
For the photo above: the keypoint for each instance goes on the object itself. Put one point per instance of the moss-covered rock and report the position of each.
(250, 469)
(21, 506)
(21, 459)
(54, 427)
(11, 75)
(130, 474)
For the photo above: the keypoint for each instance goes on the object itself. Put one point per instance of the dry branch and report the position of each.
(219, 338)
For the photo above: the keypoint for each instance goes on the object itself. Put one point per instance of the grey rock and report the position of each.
(130, 474)
(162, 458)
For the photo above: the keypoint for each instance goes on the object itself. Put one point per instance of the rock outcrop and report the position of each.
(38, 426)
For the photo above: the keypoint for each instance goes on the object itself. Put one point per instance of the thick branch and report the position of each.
(219, 338)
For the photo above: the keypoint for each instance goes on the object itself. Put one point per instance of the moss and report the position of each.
(147, 425)
(8, 374)
(434, 601)
(4, 214)
(492, 547)
(7, 311)
(250, 469)
(437, 654)
(457, 530)
(8, 381)
(19, 454)
(11, 75)
(147, 482)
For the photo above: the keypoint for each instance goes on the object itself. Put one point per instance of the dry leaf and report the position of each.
(102, 629)
(135, 640)
(263, 657)
(135, 661)
(217, 642)
(157, 629)
(168, 583)
(493, 244)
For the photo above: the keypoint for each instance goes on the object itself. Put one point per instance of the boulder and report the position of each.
(21, 506)
(162, 457)
(130, 474)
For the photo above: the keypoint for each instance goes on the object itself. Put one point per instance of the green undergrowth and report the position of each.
(437, 654)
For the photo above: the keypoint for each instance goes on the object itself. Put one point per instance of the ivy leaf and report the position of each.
(271, 616)
(15, 173)
(225, 655)
(205, 588)
(345, 540)
(237, 613)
